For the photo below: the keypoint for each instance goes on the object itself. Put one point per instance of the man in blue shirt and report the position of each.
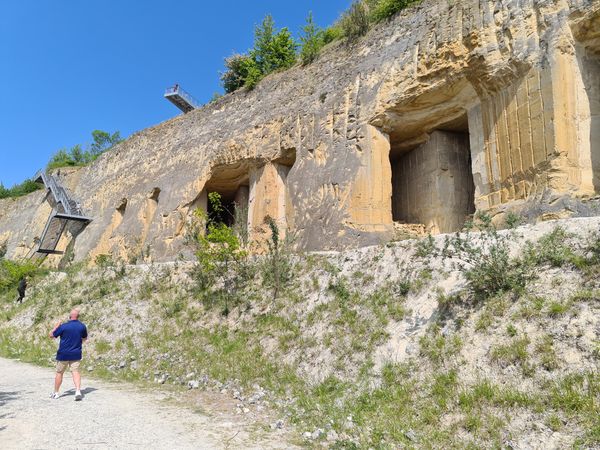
(72, 334)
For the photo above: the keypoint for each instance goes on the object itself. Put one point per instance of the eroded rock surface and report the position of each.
(317, 147)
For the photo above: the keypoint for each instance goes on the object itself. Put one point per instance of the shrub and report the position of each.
(553, 249)
(354, 23)
(18, 190)
(277, 269)
(219, 273)
(240, 69)
(272, 51)
(593, 248)
(426, 247)
(486, 263)
(11, 272)
(384, 9)
(76, 156)
(513, 220)
(332, 33)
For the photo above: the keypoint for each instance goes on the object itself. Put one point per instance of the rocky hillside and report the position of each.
(339, 150)
(483, 340)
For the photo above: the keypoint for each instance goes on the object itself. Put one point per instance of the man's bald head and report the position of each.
(74, 314)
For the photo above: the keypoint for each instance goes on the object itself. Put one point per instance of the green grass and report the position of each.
(514, 353)
(544, 350)
(557, 308)
(438, 347)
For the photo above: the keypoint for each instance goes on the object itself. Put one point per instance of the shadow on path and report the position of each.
(84, 391)
(6, 397)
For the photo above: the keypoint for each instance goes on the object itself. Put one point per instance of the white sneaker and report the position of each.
(54, 395)
(78, 396)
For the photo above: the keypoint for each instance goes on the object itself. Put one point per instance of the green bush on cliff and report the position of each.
(77, 156)
(384, 9)
(11, 272)
(20, 189)
(355, 21)
(276, 50)
(273, 50)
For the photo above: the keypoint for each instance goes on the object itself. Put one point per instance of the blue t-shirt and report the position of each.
(71, 333)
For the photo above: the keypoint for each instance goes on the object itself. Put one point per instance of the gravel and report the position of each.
(110, 416)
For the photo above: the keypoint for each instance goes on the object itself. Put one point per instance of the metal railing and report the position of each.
(59, 193)
(176, 90)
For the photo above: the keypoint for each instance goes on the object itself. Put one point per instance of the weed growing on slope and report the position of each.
(544, 350)
(578, 396)
(485, 261)
(555, 250)
(513, 353)
(438, 346)
(277, 267)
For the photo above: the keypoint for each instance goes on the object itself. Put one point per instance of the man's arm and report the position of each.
(51, 334)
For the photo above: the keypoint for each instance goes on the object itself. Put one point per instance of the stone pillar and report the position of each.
(589, 93)
(201, 202)
(370, 202)
(538, 133)
(267, 197)
(433, 184)
(242, 196)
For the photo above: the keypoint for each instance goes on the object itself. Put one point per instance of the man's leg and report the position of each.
(76, 379)
(58, 378)
(57, 381)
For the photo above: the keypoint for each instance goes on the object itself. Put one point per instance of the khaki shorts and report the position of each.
(61, 366)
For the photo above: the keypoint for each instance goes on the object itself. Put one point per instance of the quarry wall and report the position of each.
(325, 149)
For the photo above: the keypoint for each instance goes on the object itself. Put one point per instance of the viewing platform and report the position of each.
(181, 99)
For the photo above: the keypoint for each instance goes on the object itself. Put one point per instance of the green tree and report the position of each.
(355, 21)
(76, 156)
(20, 189)
(103, 141)
(263, 41)
(272, 51)
(241, 70)
(311, 41)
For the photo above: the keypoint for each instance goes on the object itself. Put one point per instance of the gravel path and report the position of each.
(110, 416)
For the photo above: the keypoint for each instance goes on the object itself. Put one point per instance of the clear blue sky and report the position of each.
(68, 67)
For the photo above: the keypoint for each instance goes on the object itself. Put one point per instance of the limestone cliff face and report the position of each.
(511, 89)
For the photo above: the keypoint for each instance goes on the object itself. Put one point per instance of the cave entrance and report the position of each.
(432, 180)
(232, 183)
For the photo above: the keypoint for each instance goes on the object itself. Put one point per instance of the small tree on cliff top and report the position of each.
(273, 50)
